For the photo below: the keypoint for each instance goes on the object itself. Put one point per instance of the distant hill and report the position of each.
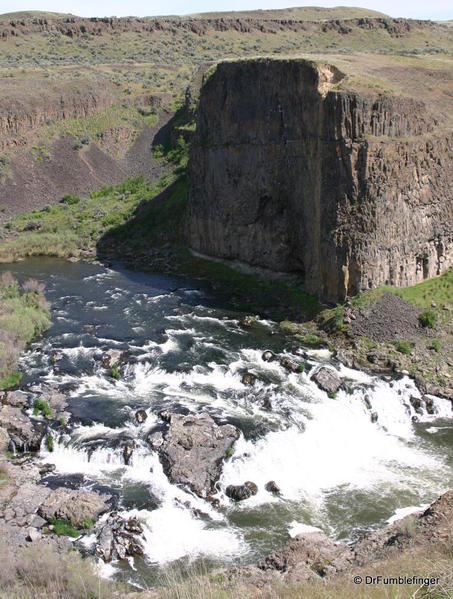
(302, 13)
(27, 14)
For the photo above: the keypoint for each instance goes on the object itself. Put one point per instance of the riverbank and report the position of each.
(24, 315)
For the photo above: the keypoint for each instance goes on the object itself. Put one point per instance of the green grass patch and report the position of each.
(49, 442)
(42, 407)
(435, 345)
(10, 381)
(64, 528)
(114, 372)
(428, 319)
(403, 347)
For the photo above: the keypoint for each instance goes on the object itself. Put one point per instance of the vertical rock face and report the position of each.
(287, 174)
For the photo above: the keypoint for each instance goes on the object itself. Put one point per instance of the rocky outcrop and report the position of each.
(309, 556)
(25, 434)
(193, 449)
(75, 506)
(289, 173)
(119, 538)
(24, 110)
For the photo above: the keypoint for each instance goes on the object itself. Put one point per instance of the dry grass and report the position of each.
(196, 584)
(40, 572)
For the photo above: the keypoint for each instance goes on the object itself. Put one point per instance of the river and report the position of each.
(336, 469)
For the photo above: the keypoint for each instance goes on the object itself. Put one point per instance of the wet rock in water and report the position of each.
(120, 538)
(374, 417)
(75, 506)
(430, 408)
(248, 321)
(267, 404)
(141, 416)
(128, 450)
(327, 379)
(416, 403)
(156, 440)
(241, 492)
(193, 450)
(47, 469)
(290, 364)
(248, 378)
(110, 357)
(165, 415)
(25, 435)
(367, 401)
(272, 487)
(268, 356)
(309, 556)
(343, 357)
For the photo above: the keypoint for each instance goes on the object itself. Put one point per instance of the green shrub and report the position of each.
(70, 200)
(63, 528)
(49, 442)
(41, 406)
(404, 347)
(229, 452)
(87, 523)
(435, 345)
(114, 372)
(428, 319)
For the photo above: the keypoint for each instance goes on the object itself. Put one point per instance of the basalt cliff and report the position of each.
(293, 172)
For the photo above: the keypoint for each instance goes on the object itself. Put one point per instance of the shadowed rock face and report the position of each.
(286, 173)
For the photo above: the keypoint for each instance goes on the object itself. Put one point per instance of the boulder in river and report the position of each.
(248, 378)
(272, 487)
(193, 450)
(268, 356)
(120, 538)
(110, 357)
(327, 379)
(75, 506)
(290, 364)
(128, 450)
(241, 492)
(141, 416)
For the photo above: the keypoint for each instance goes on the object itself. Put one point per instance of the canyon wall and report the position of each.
(288, 173)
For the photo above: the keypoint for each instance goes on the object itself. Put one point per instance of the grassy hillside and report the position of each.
(302, 13)
(30, 14)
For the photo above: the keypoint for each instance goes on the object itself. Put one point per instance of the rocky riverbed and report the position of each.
(164, 427)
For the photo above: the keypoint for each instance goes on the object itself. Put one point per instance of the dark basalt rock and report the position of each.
(248, 378)
(272, 487)
(268, 356)
(141, 416)
(241, 492)
(128, 450)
